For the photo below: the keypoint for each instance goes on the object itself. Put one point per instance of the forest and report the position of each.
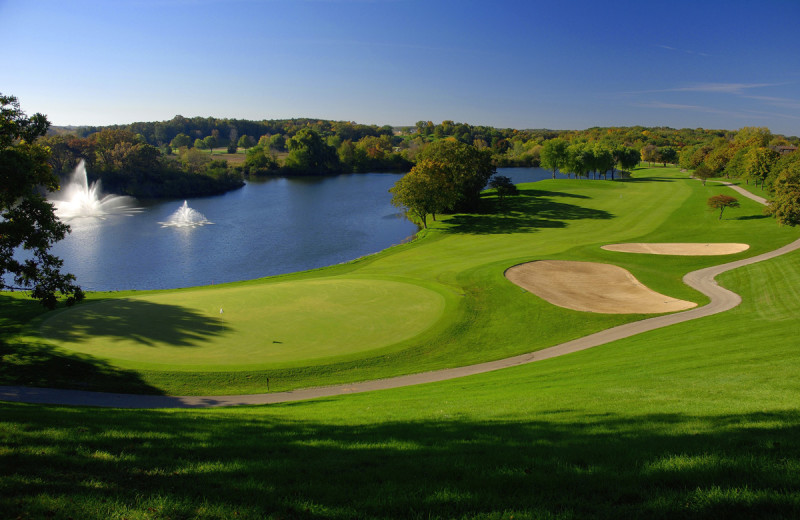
(199, 156)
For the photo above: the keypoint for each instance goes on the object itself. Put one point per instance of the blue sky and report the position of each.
(522, 64)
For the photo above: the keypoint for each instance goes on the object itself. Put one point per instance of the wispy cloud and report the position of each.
(675, 49)
(718, 88)
(723, 88)
(695, 108)
(743, 114)
(778, 102)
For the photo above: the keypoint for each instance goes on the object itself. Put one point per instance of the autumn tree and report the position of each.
(28, 224)
(721, 202)
(649, 153)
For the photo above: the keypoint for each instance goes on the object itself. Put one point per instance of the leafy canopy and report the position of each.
(785, 203)
(721, 202)
(28, 225)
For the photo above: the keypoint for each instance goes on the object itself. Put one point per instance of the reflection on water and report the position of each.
(271, 227)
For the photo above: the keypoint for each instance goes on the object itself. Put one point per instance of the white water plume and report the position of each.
(79, 199)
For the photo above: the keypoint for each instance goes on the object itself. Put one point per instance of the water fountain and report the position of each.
(79, 199)
(186, 217)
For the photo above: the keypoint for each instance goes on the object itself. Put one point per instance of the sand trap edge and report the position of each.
(591, 287)
(679, 248)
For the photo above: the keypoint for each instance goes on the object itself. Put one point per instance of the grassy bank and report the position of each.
(461, 259)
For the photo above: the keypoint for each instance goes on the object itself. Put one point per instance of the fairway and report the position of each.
(230, 327)
(439, 302)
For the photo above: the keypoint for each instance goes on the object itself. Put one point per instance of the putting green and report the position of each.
(227, 328)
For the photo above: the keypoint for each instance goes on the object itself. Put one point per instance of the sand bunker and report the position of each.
(592, 287)
(684, 249)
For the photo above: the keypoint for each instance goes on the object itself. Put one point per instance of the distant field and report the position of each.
(233, 159)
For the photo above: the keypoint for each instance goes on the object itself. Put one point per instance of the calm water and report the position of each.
(272, 227)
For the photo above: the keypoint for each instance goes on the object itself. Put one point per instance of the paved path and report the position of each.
(744, 192)
(701, 280)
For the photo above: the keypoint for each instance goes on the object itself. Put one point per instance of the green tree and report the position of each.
(721, 202)
(193, 159)
(602, 159)
(554, 155)
(737, 164)
(181, 140)
(246, 142)
(308, 154)
(259, 161)
(667, 154)
(579, 160)
(424, 190)
(785, 202)
(27, 221)
(627, 158)
(759, 162)
(277, 142)
(503, 186)
(210, 142)
(467, 170)
(703, 173)
(718, 159)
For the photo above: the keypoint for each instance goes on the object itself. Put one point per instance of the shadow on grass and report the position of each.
(37, 364)
(144, 322)
(527, 212)
(250, 465)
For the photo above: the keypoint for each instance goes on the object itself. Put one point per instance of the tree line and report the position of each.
(753, 154)
(128, 165)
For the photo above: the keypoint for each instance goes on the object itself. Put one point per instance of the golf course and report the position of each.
(693, 420)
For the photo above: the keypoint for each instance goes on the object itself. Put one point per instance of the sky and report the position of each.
(559, 64)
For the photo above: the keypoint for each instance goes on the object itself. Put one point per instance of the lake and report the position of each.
(268, 227)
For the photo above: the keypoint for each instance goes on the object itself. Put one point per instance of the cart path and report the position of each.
(701, 280)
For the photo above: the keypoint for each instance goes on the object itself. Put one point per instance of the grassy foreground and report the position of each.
(698, 420)
(455, 307)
